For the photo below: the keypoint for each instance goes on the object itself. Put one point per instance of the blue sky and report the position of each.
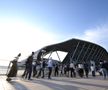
(27, 25)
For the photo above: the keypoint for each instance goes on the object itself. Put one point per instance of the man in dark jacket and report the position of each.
(29, 66)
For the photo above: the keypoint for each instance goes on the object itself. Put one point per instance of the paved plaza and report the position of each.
(56, 83)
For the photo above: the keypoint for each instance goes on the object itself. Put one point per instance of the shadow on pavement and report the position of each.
(55, 86)
(82, 83)
(17, 85)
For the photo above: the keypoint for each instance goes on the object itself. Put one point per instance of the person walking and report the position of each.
(81, 70)
(29, 66)
(56, 70)
(72, 70)
(13, 69)
(50, 66)
(34, 68)
(43, 68)
(93, 70)
(86, 69)
(104, 70)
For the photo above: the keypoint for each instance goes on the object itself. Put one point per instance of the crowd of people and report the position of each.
(47, 68)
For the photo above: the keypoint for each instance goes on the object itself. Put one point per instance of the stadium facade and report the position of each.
(78, 51)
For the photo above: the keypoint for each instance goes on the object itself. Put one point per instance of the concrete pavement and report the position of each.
(56, 83)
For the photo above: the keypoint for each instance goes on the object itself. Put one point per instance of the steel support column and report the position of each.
(71, 58)
(94, 53)
(90, 52)
(85, 52)
(80, 52)
(58, 56)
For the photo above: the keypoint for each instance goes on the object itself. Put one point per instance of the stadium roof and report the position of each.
(70, 46)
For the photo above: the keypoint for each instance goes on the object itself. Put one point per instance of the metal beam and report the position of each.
(86, 52)
(58, 56)
(50, 54)
(90, 52)
(71, 58)
(80, 52)
(97, 54)
(98, 58)
(102, 55)
(94, 52)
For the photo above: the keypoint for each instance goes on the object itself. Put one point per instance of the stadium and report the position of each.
(78, 51)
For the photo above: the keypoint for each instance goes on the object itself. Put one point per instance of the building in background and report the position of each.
(78, 51)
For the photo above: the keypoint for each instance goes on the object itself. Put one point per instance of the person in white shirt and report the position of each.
(80, 70)
(50, 66)
(93, 70)
(72, 70)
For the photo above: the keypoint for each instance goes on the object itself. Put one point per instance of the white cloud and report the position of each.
(19, 36)
(98, 35)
